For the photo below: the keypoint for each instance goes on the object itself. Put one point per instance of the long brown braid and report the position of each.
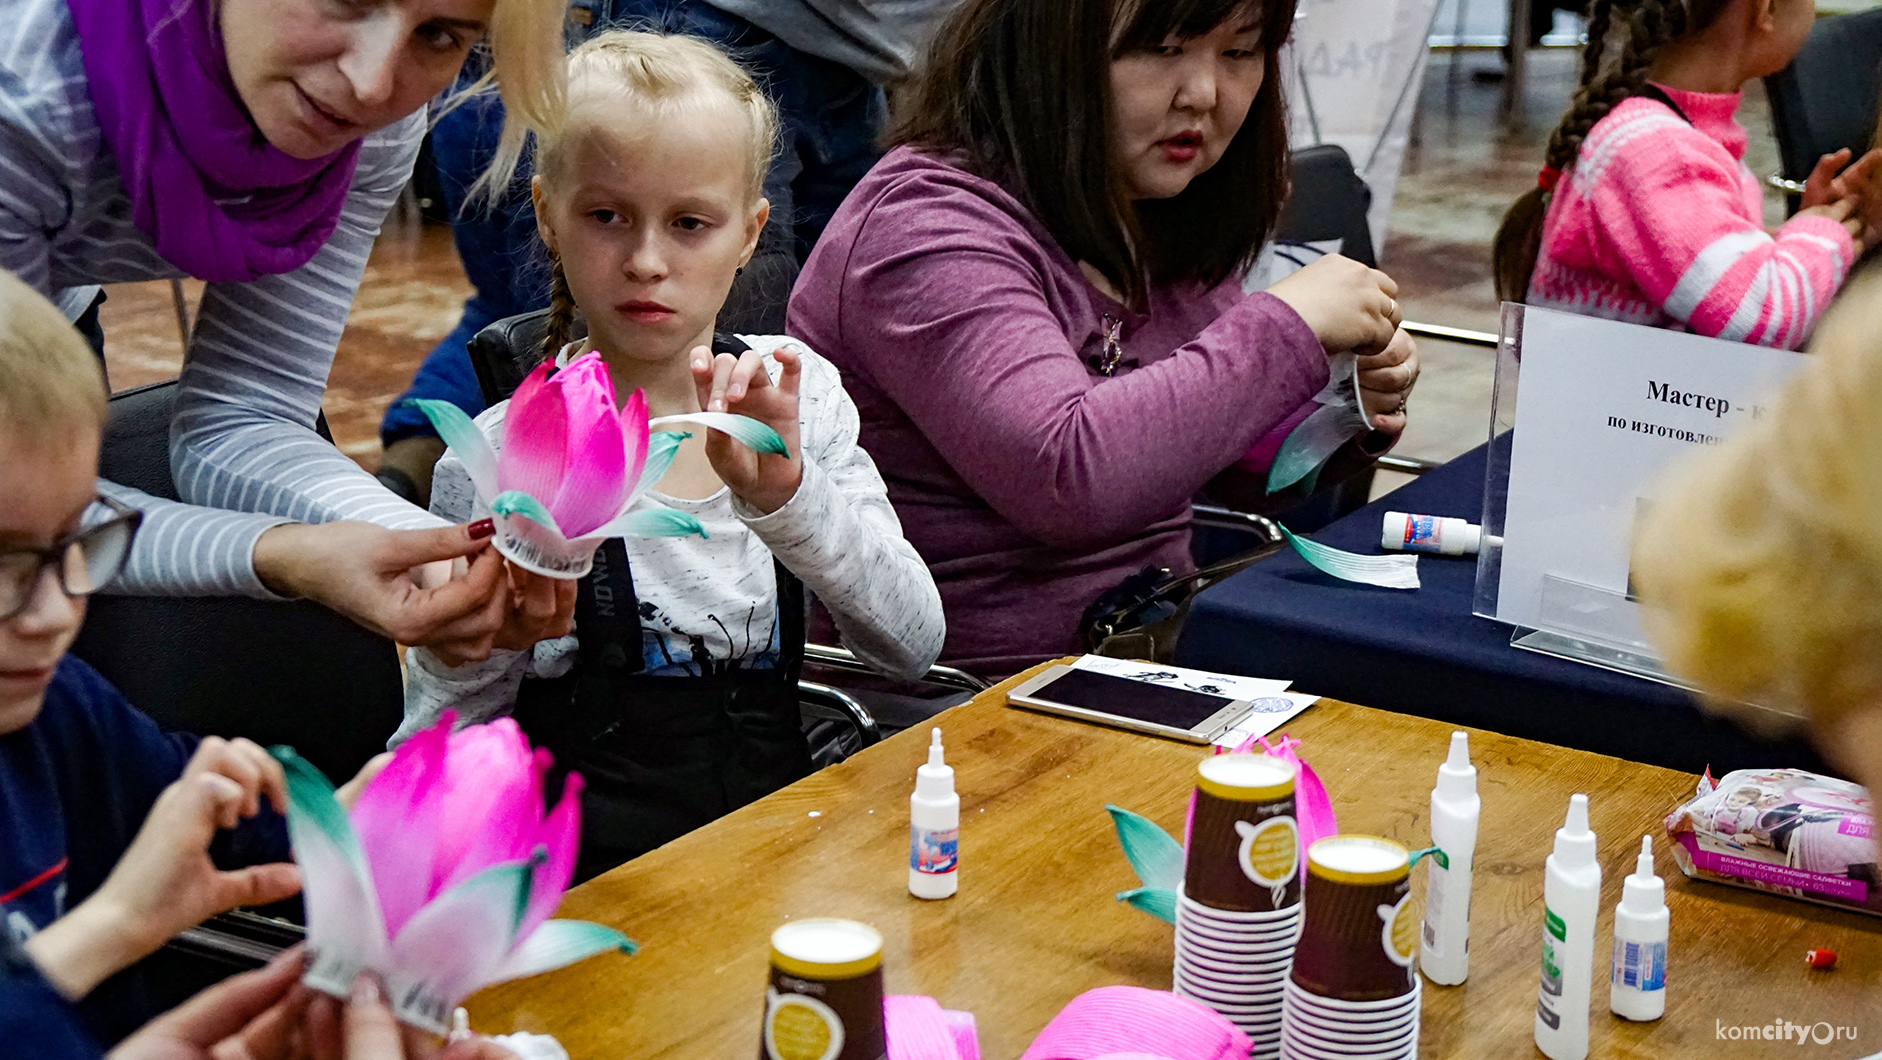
(1644, 27)
(561, 312)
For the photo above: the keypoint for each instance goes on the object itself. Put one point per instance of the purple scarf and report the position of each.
(216, 199)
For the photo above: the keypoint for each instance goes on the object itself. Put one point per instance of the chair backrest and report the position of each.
(1328, 201)
(292, 673)
(1826, 99)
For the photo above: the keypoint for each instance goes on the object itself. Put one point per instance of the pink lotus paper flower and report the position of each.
(442, 878)
(572, 465)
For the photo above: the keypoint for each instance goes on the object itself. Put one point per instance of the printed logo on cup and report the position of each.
(824, 1001)
(1244, 844)
(1358, 934)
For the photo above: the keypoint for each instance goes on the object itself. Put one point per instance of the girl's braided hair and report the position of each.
(1643, 28)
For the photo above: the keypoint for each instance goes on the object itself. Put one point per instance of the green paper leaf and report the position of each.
(516, 502)
(1157, 901)
(1154, 855)
(1437, 855)
(662, 447)
(466, 441)
(1387, 572)
(742, 429)
(652, 522)
(559, 943)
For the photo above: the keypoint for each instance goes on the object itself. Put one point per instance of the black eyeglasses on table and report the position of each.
(81, 563)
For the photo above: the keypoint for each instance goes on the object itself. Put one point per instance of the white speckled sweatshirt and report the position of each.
(711, 603)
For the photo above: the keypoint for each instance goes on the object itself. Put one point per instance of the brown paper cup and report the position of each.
(1244, 844)
(1359, 935)
(825, 997)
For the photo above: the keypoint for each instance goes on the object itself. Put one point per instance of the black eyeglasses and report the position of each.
(81, 563)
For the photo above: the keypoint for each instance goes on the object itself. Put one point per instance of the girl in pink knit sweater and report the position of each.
(1645, 211)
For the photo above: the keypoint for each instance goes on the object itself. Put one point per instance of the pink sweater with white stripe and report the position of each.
(1659, 222)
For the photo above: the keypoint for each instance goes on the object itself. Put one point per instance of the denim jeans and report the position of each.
(829, 117)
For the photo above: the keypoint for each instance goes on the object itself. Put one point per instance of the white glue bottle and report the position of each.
(934, 829)
(1430, 533)
(1637, 985)
(1444, 950)
(1571, 899)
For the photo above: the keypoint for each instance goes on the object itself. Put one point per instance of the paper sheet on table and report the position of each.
(1213, 684)
(1270, 713)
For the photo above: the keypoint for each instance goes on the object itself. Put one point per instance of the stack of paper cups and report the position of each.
(1351, 993)
(1240, 913)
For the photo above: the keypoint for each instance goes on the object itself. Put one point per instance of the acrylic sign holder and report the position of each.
(1581, 623)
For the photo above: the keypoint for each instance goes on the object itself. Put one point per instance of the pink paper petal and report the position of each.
(1131, 1020)
(397, 818)
(634, 438)
(966, 1033)
(917, 1029)
(561, 837)
(535, 438)
(594, 474)
(494, 795)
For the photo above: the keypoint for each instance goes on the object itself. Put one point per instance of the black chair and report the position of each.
(1826, 99)
(1328, 201)
(292, 673)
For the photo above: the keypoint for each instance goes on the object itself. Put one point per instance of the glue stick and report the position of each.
(1430, 533)
(1571, 899)
(1444, 949)
(934, 828)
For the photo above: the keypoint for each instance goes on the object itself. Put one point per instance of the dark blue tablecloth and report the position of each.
(1422, 652)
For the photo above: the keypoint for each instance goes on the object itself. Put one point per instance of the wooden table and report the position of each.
(1035, 922)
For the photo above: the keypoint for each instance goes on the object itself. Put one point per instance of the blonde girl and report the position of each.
(676, 696)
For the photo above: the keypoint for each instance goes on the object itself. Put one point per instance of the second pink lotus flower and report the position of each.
(573, 464)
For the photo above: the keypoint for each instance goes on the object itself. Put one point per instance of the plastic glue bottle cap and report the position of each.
(1643, 892)
(1457, 778)
(1574, 843)
(935, 780)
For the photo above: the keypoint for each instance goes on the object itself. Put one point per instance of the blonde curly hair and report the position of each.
(1761, 564)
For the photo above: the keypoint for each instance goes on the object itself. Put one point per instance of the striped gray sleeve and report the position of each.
(184, 550)
(242, 436)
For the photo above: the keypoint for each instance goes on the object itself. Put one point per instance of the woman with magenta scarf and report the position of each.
(256, 145)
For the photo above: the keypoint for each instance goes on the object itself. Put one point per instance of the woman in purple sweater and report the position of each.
(1034, 301)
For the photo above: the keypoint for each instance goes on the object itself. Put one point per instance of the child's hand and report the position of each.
(1835, 178)
(1845, 211)
(741, 385)
(348, 793)
(165, 882)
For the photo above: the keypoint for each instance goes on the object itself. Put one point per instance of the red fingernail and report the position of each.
(481, 529)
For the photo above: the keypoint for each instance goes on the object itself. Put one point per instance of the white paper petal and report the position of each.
(455, 943)
(345, 929)
(743, 429)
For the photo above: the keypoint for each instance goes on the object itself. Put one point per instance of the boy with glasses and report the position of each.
(113, 834)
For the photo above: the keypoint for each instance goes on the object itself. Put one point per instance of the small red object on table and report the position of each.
(1821, 960)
